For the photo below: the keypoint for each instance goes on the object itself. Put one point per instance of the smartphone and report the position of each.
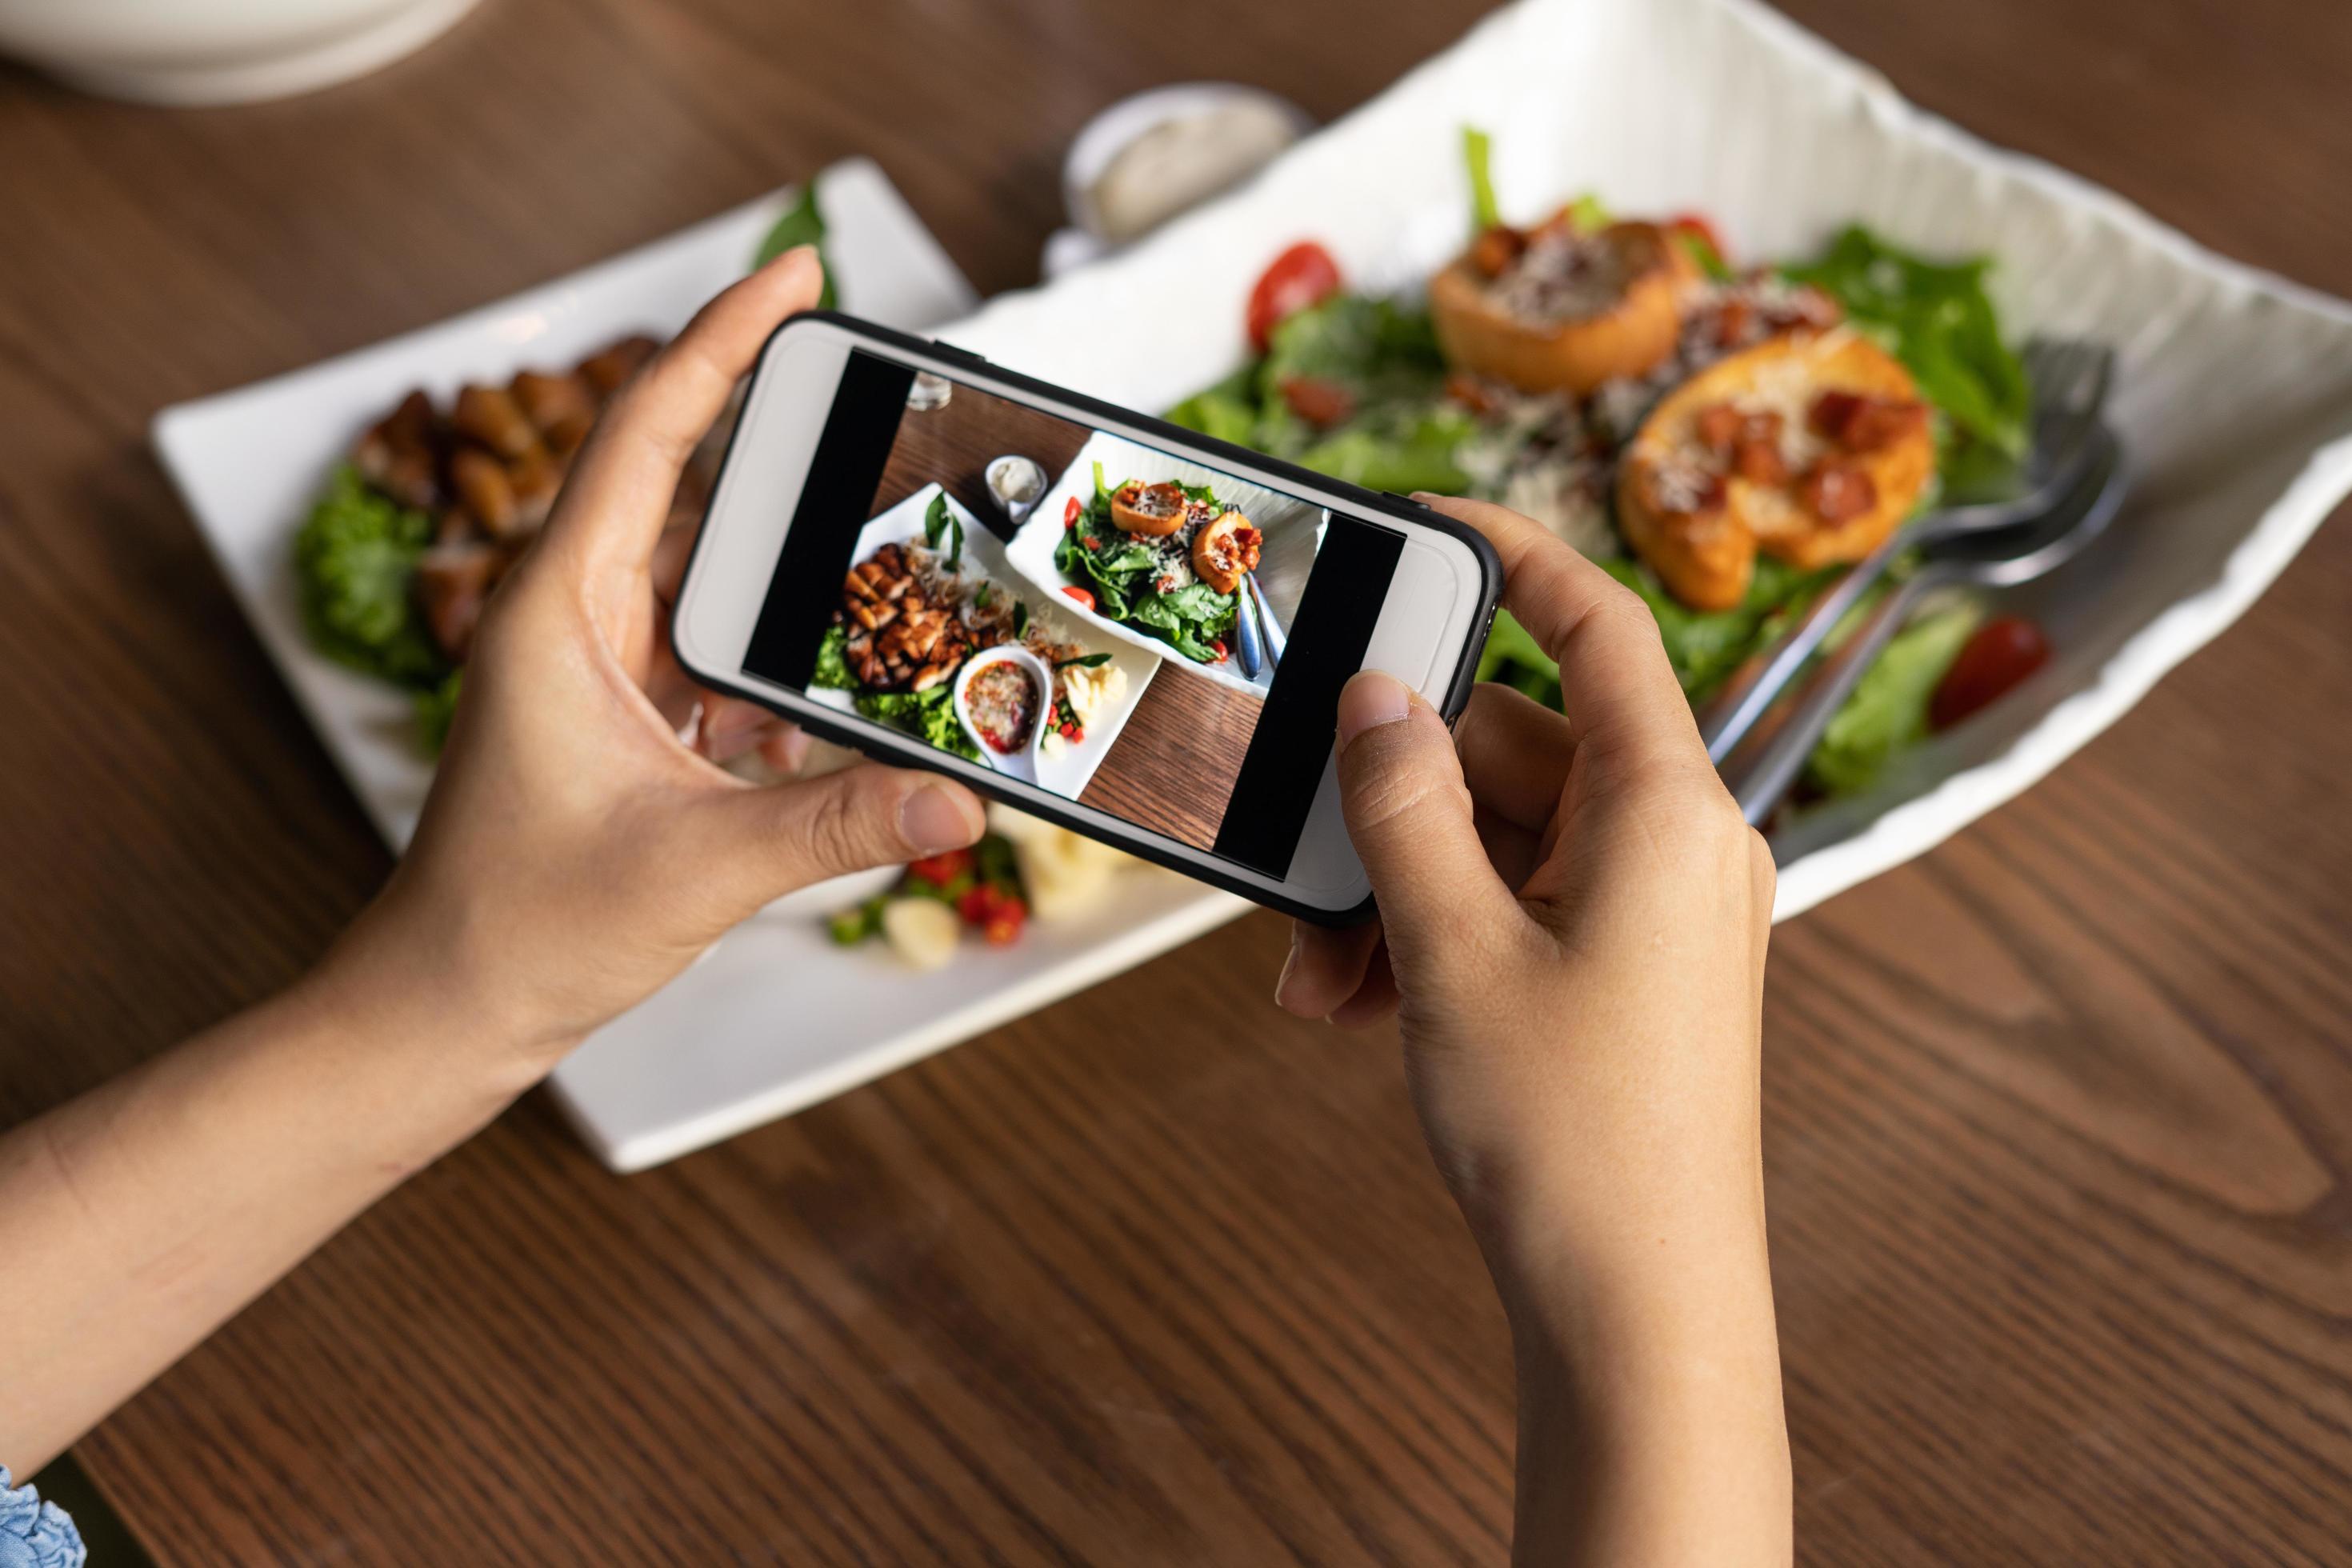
(1094, 615)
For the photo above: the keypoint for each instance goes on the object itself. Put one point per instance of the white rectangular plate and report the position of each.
(2234, 390)
(1293, 530)
(775, 1017)
(1067, 774)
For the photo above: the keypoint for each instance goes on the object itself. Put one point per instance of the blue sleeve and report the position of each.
(35, 1534)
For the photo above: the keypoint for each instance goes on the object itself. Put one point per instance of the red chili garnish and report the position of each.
(2001, 654)
(1071, 513)
(941, 868)
(1090, 541)
(1080, 595)
(1470, 392)
(1301, 276)
(1320, 403)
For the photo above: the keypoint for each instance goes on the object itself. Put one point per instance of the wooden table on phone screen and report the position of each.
(2057, 1119)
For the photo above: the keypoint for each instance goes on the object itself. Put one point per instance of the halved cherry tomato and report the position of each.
(941, 868)
(1301, 276)
(1699, 228)
(1320, 403)
(1071, 513)
(1218, 646)
(2002, 653)
(1081, 595)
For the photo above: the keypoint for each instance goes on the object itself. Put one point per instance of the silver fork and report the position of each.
(2069, 379)
(1760, 772)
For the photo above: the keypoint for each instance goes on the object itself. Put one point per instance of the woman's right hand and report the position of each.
(1573, 920)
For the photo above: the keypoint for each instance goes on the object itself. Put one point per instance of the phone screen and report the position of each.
(1159, 639)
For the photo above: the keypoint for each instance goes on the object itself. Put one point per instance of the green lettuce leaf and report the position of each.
(1888, 710)
(354, 564)
(832, 670)
(1477, 152)
(803, 223)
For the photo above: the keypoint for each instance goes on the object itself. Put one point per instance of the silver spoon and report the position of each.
(1246, 643)
(1760, 771)
(2070, 387)
(1269, 628)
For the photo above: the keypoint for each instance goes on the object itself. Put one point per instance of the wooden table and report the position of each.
(2058, 1119)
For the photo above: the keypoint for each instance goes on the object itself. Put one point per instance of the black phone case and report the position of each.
(879, 740)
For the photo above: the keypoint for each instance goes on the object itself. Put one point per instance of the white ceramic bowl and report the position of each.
(1021, 764)
(217, 51)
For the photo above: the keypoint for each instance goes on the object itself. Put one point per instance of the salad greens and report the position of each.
(803, 225)
(1123, 574)
(354, 560)
(1888, 710)
(928, 715)
(354, 569)
(1379, 414)
(1400, 432)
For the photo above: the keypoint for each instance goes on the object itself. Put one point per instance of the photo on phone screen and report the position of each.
(1155, 637)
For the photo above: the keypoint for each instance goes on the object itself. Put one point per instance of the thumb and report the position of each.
(1408, 814)
(773, 840)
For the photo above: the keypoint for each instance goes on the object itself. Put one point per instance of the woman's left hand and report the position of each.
(575, 853)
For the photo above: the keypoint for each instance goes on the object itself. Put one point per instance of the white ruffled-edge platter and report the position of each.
(1292, 529)
(2235, 387)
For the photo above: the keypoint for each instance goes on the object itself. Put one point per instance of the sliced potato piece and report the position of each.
(923, 932)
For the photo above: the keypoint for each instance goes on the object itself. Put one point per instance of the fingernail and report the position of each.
(1369, 700)
(1289, 966)
(931, 820)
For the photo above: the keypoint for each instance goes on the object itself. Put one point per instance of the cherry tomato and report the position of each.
(974, 905)
(1301, 276)
(1219, 648)
(1081, 595)
(942, 868)
(1090, 541)
(1320, 403)
(2002, 653)
(1071, 513)
(1699, 228)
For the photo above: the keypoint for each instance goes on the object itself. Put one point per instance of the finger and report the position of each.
(768, 841)
(1616, 684)
(1514, 851)
(1409, 816)
(1375, 999)
(1516, 754)
(671, 553)
(616, 503)
(1325, 967)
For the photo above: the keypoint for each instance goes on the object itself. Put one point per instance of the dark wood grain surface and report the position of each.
(2058, 1119)
(1173, 768)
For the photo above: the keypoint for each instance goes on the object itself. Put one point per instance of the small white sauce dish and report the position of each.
(1022, 763)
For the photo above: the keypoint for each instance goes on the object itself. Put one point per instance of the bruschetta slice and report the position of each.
(1811, 447)
(1558, 310)
(1152, 511)
(1223, 550)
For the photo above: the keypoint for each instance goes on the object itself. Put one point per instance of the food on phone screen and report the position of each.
(1002, 699)
(1150, 511)
(1223, 550)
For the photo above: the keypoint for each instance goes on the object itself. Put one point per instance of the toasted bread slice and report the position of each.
(1617, 314)
(1813, 447)
(1152, 511)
